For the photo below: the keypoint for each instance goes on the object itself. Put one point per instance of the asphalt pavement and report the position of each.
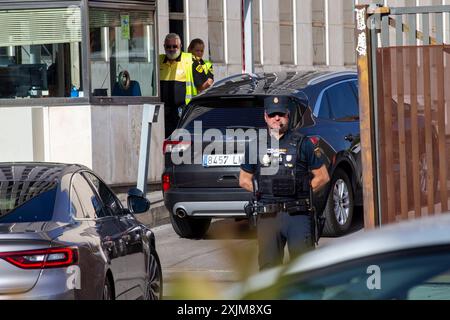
(201, 269)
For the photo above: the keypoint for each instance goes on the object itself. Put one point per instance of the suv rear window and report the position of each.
(224, 117)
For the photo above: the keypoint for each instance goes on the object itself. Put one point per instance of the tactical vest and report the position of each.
(185, 64)
(292, 181)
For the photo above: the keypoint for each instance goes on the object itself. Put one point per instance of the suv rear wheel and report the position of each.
(191, 228)
(340, 205)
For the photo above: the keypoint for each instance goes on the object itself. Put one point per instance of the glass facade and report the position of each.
(40, 53)
(122, 53)
(49, 52)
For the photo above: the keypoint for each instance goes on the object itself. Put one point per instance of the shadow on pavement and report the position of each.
(231, 229)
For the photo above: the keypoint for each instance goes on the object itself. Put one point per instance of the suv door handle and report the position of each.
(349, 138)
(230, 177)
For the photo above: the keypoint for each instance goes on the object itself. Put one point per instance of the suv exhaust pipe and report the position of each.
(181, 213)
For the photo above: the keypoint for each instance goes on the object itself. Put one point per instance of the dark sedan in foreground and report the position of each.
(65, 235)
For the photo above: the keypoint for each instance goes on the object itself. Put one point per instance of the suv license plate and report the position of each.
(222, 160)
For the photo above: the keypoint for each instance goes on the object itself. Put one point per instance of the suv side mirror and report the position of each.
(137, 202)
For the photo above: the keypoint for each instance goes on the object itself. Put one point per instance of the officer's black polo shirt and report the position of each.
(173, 93)
(307, 156)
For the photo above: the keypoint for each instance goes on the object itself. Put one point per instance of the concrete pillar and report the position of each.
(336, 32)
(163, 22)
(198, 19)
(304, 33)
(271, 36)
(234, 34)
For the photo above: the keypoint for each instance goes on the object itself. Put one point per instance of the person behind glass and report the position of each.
(178, 80)
(284, 208)
(197, 48)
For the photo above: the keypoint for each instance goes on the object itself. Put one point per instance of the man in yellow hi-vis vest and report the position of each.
(179, 80)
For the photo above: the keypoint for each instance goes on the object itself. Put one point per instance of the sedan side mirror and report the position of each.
(137, 202)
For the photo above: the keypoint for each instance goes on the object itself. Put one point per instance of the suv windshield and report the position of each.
(225, 117)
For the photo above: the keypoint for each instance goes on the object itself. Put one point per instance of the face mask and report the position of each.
(173, 56)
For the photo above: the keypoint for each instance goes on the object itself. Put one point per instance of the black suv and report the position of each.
(206, 185)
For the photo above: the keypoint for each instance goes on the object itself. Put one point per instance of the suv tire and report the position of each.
(191, 228)
(340, 205)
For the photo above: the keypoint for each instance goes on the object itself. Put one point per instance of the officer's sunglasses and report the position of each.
(280, 114)
(171, 46)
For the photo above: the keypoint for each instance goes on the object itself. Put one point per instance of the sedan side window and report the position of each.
(83, 198)
(324, 111)
(112, 205)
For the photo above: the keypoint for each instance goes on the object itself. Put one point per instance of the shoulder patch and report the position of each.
(199, 68)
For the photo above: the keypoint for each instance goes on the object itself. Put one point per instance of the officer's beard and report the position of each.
(283, 128)
(278, 132)
(173, 56)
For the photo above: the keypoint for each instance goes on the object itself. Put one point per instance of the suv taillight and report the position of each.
(42, 259)
(165, 182)
(175, 146)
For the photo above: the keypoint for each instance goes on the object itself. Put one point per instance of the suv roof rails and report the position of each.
(238, 75)
(330, 75)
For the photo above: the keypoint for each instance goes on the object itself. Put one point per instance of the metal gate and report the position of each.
(404, 70)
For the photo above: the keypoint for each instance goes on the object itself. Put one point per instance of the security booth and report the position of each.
(74, 77)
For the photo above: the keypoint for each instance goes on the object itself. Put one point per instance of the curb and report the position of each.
(156, 216)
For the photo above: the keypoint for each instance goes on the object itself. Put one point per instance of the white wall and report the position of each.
(16, 134)
(68, 135)
(116, 133)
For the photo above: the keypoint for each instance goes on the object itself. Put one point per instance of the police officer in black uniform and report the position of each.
(284, 208)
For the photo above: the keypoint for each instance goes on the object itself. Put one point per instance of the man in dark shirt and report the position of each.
(179, 80)
(294, 159)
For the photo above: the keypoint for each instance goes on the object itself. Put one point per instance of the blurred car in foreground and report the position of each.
(409, 260)
(65, 235)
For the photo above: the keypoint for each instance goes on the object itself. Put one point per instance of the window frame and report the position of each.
(85, 218)
(122, 209)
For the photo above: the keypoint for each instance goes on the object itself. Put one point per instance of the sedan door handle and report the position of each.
(349, 137)
(108, 244)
